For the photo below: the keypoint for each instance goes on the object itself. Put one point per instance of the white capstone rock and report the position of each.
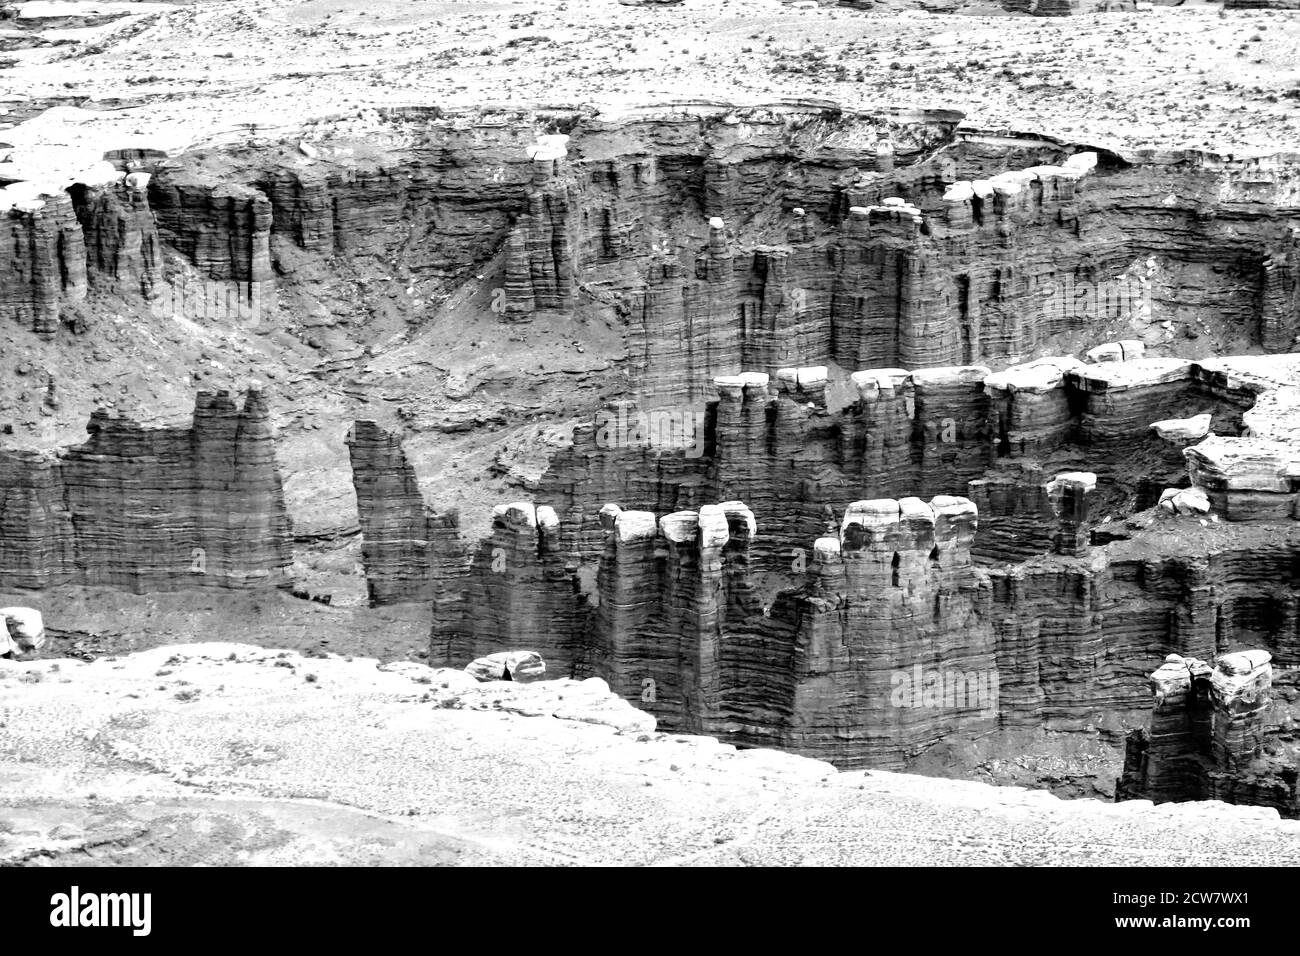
(519, 666)
(549, 148)
(635, 526)
(1184, 429)
(1185, 501)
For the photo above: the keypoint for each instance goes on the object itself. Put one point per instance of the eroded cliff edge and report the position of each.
(230, 754)
(814, 309)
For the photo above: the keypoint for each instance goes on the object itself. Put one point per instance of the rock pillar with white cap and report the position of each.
(1206, 739)
(44, 266)
(894, 648)
(1069, 495)
(541, 254)
(626, 638)
(123, 251)
(877, 431)
(524, 593)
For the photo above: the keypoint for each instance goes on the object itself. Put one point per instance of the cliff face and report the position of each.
(123, 250)
(892, 639)
(894, 648)
(728, 239)
(1207, 738)
(825, 313)
(43, 264)
(223, 229)
(150, 509)
(797, 446)
(731, 239)
(520, 591)
(98, 231)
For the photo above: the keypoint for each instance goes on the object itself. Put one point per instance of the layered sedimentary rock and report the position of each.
(782, 445)
(1261, 4)
(150, 509)
(1016, 515)
(521, 591)
(95, 229)
(951, 427)
(123, 250)
(397, 536)
(813, 300)
(540, 255)
(1045, 8)
(1247, 479)
(870, 661)
(1207, 737)
(735, 239)
(893, 643)
(1068, 495)
(224, 230)
(411, 552)
(1057, 642)
(42, 257)
(755, 239)
(672, 595)
(1121, 399)
(1030, 407)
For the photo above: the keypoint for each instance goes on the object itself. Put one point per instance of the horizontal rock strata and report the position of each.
(1206, 740)
(150, 509)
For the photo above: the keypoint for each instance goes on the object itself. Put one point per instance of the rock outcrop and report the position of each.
(402, 540)
(731, 239)
(874, 658)
(861, 660)
(519, 666)
(541, 258)
(1247, 479)
(21, 629)
(797, 445)
(521, 590)
(150, 509)
(61, 238)
(123, 250)
(43, 263)
(224, 229)
(893, 645)
(1207, 739)
(671, 594)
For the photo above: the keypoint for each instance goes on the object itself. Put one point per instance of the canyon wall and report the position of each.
(1208, 737)
(728, 240)
(892, 639)
(150, 509)
(798, 445)
(43, 265)
(829, 316)
(99, 231)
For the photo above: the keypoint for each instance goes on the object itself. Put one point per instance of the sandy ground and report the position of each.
(229, 754)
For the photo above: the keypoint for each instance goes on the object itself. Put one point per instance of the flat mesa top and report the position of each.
(1146, 371)
(167, 76)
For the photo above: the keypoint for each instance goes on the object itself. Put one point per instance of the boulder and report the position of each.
(522, 666)
(1183, 429)
(21, 629)
(1185, 501)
